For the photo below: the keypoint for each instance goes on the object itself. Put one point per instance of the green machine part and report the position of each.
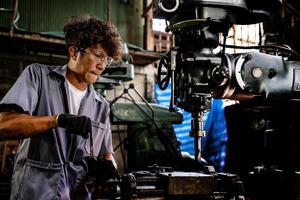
(151, 137)
(141, 113)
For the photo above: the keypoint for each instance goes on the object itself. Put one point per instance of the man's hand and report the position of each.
(99, 176)
(100, 169)
(79, 125)
(105, 171)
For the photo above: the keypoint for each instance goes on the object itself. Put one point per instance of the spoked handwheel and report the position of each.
(164, 75)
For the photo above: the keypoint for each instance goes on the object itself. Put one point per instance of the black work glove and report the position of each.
(101, 169)
(105, 171)
(79, 125)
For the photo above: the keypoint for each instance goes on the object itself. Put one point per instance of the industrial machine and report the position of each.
(265, 82)
(197, 74)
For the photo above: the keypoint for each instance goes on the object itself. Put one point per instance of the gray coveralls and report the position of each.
(50, 165)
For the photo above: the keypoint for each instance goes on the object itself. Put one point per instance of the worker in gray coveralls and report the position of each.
(53, 110)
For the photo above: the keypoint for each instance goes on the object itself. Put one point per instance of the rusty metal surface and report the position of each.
(189, 183)
(34, 36)
(144, 58)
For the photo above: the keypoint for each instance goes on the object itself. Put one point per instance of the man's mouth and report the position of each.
(97, 74)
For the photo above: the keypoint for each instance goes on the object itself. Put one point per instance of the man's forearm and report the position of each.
(15, 125)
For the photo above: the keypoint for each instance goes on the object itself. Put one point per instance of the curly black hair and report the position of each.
(85, 31)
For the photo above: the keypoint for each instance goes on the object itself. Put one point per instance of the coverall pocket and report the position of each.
(41, 180)
(98, 134)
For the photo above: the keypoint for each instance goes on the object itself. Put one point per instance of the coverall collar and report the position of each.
(62, 72)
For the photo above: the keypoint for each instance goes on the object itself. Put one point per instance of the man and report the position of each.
(54, 109)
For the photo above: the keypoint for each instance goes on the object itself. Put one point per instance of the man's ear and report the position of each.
(73, 52)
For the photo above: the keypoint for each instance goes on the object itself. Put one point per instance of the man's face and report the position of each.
(90, 63)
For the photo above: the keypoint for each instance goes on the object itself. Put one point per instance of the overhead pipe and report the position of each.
(108, 13)
(13, 17)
